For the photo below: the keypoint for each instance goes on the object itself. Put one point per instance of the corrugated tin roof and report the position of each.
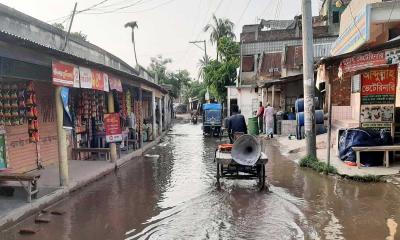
(23, 42)
(294, 54)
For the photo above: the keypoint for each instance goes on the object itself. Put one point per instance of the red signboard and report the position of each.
(115, 83)
(363, 61)
(113, 127)
(64, 74)
(379, 86)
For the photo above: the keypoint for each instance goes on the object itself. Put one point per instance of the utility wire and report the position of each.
(277, 9)
(354, 21)
(243, 12)
(67, 17)
(266, 8)
(391, 11)
(117, 9)
(138, 11)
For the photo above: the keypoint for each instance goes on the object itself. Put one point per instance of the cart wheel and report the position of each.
(261, 177)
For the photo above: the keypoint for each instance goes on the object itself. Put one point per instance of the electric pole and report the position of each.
(204, 48)
(69, 28)
(308, 78)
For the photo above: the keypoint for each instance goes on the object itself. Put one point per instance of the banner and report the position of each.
(377, 113)
(115, 83)
(77, 82)
(106, 83)
(64, 74)
(362, 61)
(67, 123)
(113, 127)
(97, 80)
(85, 76)
(379, 86)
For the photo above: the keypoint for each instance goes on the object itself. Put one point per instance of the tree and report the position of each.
(133, 25)
(195, 90)
(178, 80)
(158, 66)
(78, 35)
(218, 75)
(202, 63)
(229, 49)
(220, 27)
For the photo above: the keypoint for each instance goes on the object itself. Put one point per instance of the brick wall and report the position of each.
(341, 89)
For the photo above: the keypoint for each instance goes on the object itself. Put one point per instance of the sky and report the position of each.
(165, 27)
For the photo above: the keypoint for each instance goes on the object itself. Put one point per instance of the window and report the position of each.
(355, 83)
(248, 63)
(335, 17)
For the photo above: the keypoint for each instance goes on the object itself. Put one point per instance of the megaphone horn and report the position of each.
(246, 150)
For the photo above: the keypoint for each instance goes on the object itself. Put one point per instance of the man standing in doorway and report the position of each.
(269, 120)
(260, 115)
(236, 124)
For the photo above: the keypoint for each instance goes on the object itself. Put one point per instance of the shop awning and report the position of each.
(267, 84)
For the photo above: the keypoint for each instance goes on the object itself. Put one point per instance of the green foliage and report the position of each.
(158, 66)
(195, 89)
(219, 28)
(202, 63)
(178, 80)
(313, 163)
(229, 49)
(78, 35)
(219, 74)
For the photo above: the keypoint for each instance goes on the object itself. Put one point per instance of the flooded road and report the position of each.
(175, 197)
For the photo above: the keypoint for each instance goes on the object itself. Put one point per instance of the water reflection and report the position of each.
(175, 197)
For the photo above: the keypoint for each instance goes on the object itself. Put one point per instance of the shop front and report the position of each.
(372, 89)
(28, 138)
(88, 95)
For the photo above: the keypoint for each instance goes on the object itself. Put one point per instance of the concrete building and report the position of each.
(365, 57)
(271, 62)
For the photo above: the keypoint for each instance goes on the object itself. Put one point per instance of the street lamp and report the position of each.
(133, 25)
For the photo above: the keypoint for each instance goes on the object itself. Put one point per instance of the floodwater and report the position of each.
(175, 197)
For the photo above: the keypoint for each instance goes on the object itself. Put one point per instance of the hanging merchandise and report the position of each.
(32, 113)
(123, 105)
(12, 104)
(128, 100)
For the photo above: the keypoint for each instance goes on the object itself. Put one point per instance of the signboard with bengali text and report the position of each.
(362, 61)
(85, 76)
(64, 74)
(113, 127)
(379, 86)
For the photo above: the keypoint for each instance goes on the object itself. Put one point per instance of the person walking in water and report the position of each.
(269, 120)
(260, 115)
(236, 124)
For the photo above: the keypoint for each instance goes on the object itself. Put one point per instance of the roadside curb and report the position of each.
(36, 206)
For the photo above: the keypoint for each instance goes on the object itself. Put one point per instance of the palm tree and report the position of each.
(220, 27)
(202, 64)
(133, 25)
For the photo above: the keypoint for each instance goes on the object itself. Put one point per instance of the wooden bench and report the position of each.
(30, 178)
(77, 152)
(385, 149)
